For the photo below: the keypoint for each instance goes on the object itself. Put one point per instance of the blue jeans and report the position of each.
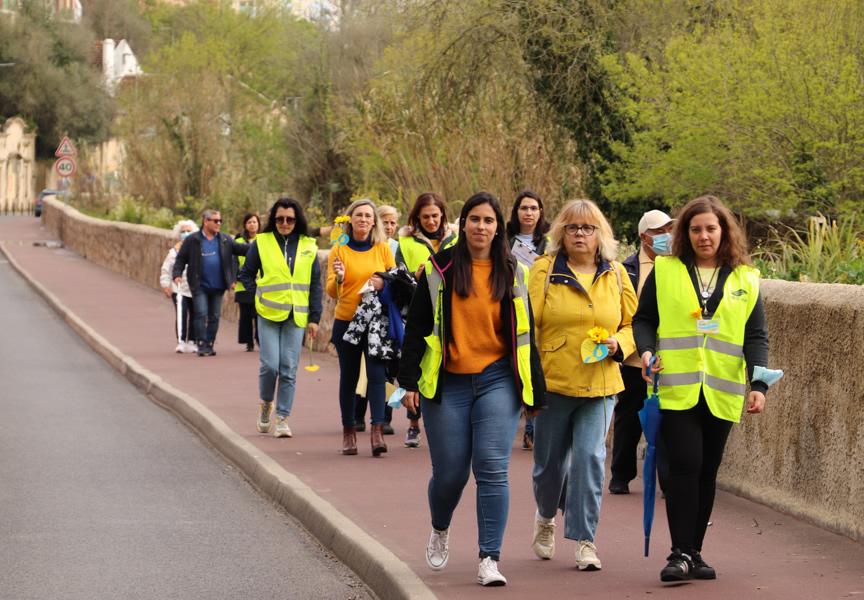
(569, 457)
(473, 429)
(349, 373)
(281, 344)
(206, 309)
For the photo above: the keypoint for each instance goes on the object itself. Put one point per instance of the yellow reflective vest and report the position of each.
(430, 364)
(416, 252)
(281, 293)
(239, 287)
(712, 363)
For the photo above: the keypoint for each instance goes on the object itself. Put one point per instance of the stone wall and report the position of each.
(803, 456)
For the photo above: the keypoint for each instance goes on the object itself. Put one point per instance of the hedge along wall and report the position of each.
(137, 251)
(803, 456)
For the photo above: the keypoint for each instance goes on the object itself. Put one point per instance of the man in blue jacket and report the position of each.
(212, 270)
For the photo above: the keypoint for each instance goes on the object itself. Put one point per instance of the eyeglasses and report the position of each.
(286, 220)
(574, 228)
(218, 221)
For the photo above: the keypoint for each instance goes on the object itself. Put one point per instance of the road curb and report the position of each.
(387, 576)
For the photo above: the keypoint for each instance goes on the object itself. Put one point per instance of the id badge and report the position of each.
(708, 326)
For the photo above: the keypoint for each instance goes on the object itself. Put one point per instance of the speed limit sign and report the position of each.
(65, 166)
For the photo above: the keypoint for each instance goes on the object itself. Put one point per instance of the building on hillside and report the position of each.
(17, 166)
(65, 10)
(304, 9)
(118, 63)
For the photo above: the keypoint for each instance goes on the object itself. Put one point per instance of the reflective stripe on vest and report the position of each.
(433, 356)
(280, 293)
(713, 363)
(415, 252)
(239, 287)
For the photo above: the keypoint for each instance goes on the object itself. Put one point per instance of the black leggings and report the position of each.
(247, 327)
(694, 440)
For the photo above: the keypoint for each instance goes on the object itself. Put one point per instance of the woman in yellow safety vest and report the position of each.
(246, 332)
(701, 315)
(469, 354)
(282, 273)
(351, 266)
(576, 288)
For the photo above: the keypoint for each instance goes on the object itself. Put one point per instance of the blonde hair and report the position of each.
(587, 211)
(386, 209)
(377, 232)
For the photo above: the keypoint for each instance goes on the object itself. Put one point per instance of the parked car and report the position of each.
(39, 204)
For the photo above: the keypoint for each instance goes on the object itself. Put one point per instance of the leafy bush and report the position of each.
(830, 251)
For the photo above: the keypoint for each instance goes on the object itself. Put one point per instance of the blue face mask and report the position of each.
(185, 234)
(662, 243)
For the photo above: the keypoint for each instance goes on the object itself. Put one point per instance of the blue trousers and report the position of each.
(569, 457)
(206, 310)
(281, 344)
(472, 428)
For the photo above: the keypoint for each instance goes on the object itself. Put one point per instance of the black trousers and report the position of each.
(185, 318)
(694, 440)
(627, 430)
(247, 330)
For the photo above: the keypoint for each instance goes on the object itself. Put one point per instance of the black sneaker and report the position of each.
(701, 569)
(618, 487)
(679, 567)
(387, 429)
(359, 426)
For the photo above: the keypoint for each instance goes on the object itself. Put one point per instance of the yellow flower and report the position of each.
(598, 334)
(696, 314)
(312, 368)
(342, 219)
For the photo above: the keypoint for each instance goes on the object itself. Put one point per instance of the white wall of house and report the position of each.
(17, 174)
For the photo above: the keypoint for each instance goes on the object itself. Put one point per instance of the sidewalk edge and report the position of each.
(385, 574)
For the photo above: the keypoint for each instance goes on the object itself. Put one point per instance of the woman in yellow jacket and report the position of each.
(573, 289)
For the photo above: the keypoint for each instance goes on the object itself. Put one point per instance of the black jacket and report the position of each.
(252, 266)
(647, 319)
(190, 254)
(631, 265)
(420, 322)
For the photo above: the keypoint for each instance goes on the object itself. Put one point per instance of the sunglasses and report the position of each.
(215, 220)
(285, 220)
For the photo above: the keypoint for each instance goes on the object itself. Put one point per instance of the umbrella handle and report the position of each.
(656, 377)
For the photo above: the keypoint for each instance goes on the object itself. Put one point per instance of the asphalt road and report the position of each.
(105, 495)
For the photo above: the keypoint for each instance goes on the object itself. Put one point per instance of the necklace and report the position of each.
(703, 288)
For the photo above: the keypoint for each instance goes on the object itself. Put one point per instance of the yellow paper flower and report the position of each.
(342, 219)
(598, 334)
(312, 368)
(696, 314)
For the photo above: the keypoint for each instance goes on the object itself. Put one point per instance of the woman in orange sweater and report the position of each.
(350, 267)
(468, 351)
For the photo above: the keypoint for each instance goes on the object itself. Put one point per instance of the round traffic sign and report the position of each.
(66, 166)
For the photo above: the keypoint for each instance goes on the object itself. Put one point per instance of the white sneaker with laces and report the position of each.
(438, 549)
(544, 537)
(586, 556)
(191, 348)
(264, 410)
(181, 347)
(282, 429)
(489, 575)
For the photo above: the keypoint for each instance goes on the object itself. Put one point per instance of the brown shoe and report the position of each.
(349, 441)
(378, 445)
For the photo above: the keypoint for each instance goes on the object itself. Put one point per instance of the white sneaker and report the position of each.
(586, 556)
(181, 347)
(264, 410)
(488, 573)
(544, 537)
(438, 549)
(191, 348)
(282, 429)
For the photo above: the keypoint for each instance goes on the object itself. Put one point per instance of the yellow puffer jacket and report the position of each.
(564, 313)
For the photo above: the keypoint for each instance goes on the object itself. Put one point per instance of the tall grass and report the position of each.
(830, 251)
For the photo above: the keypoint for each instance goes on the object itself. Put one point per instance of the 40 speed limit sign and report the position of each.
(65, 166)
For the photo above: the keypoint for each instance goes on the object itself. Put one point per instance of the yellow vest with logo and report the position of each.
(280, 293)
(239, 287)
(415, 252)
(709, 362)
(430, 364)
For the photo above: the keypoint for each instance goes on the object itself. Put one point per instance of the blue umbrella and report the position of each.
(650, 418)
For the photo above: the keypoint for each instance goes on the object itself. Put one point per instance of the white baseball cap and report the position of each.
(653, 219)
